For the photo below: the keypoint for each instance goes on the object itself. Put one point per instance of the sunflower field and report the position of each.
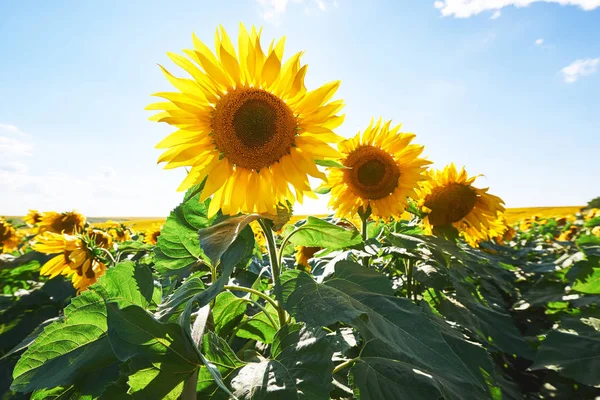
(415, 287)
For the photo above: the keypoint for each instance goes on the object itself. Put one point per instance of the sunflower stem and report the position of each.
(409, 278)
(275, 267)
(364, 218)
(344, 365)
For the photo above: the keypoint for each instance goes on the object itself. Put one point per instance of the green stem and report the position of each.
(189, 387)
(285, 242)
(344, 365)
(268, 232)
(365, 228)
(252, 291)
(409, 272)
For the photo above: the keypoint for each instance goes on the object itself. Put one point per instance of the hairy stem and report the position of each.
(275, 267)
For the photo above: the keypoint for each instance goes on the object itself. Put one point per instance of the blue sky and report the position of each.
(512, 93)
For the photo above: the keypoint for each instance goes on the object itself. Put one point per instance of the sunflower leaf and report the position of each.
(330, 164)
(77, 345)
(319, 233)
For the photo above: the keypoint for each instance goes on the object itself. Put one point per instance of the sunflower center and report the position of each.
(373, 174)
(450, 203)
(253, 128)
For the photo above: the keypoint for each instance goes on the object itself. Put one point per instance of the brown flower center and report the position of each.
(450, 203)
(253, 128)
(373, 174)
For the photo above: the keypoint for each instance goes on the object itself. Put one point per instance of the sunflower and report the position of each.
(247, 124)
(33, 217)
(79, 256)
(568, 234)
(501, 231)
(151, 235)
(382, 169)
(449, 198)
(304, 254)
(259, 237)
(9, 238)
(68, 222)
(118, 231)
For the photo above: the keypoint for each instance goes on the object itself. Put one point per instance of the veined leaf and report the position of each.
(77, 345)
(318, 233)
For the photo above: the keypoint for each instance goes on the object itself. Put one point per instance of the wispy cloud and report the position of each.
(539, 42)
(497, 14)
(273, 10)
(580, 68)
(12, 142)
(469, 8)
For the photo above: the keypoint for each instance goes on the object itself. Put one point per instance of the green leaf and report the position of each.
(77, 345)
(300, 367)
(319, 233)
(591, 284)
(593, 222)
(322, 190)
(178, 246)
(330, 164)
(398, 330)
(368, 279)
(224, 362)
(259, 326)
(574, 353)
(228, 311)
(156, 382)
(169, 310)
(216, 239)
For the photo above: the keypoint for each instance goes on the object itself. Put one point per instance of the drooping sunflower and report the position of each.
(247, 124)
(501, 231)
(9, 237)
(151, 235)
(33, 217)
(382, 169)
(449, 198)
(67, 222)
(79, 256)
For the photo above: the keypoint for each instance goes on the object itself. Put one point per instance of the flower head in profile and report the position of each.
(247, 124)
(9, 237)
(68, 222)
(151, 234)
(120, 232)
(381, 169)
(79, 256)
(449, 198)
(33, 217)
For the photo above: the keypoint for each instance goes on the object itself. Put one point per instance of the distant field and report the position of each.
(513, 215)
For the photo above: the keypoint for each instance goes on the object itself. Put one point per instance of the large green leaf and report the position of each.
(216, 239)
(223, 359)
(318, 233)
(591, 283)
(573, 351)
(300, 367)
(178, 246)
(77, 345)
(169, 310)
(397, 329)
(170, 355)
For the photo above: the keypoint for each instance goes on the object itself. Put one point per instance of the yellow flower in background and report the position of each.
(9, 237)
(568, 234)
(118, 231)
(259, 237)
(450, 198)
(68, 222)
(78, 256)
(247, 124)
(304, 254)
(33, 217)
(151, 235)
(382, 169)
(501, 231)
(596, 230)
(591, 214)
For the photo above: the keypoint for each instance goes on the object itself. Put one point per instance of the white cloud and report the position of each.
(12, 146)
(468, 8)
(580, 68)
(496, 14)
(539, 42)
(273, 10)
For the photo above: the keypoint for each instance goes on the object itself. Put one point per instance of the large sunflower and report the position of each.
(449, 198)
(68, 222)
(382, 169)
(247, 124)
(9, 238)
(78, 258)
